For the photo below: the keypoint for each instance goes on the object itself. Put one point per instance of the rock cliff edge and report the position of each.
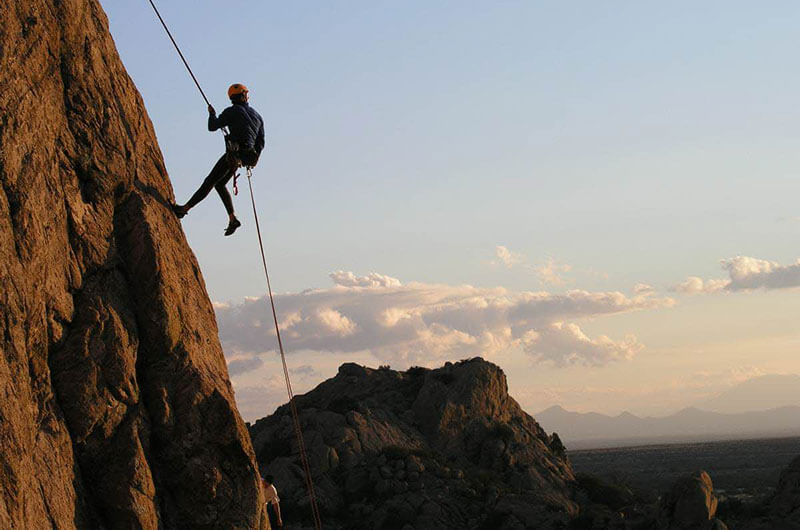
(115, 404)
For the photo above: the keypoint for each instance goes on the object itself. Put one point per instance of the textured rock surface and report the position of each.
(115, 404)
(445, 448)
(690, 505)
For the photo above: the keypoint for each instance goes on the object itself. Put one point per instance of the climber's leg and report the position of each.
(227, 200)
(224, 194)
(221, 170)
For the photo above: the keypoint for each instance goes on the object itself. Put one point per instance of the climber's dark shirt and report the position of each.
(245, 124)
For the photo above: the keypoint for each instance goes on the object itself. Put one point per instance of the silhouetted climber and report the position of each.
(243, 146)
(272, 500)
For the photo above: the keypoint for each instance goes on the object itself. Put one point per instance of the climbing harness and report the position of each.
(292, 405)
(232, 154)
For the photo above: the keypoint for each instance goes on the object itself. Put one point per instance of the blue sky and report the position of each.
(620, 143)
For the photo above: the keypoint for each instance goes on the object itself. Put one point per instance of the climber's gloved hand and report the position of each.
(211, 111)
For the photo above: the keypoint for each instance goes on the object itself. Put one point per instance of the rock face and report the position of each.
(444, 448)
(690, 505)
(115, 405)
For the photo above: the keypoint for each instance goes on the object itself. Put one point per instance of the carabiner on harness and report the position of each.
(232, 153)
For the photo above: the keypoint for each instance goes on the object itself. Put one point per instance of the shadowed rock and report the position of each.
(444, 448)
(115, 405)
(786, 503)
(690, 505)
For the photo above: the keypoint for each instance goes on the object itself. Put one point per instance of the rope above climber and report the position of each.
(244, 142)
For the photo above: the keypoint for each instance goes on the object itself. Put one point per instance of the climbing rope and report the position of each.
(295, 416)
(292, 406)
(186, 64)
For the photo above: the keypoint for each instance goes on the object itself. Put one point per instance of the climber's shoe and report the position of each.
(180, 211)
(232, 226)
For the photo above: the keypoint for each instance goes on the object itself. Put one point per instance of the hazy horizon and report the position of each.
(601, 200)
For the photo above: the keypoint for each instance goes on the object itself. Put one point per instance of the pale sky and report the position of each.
(602, 198)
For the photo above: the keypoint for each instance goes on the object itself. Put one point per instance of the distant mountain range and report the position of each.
(584, 430)
(763, 406)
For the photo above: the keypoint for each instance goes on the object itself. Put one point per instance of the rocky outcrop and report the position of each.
(444, 448)
(786, 503)
(690, 505)
(115, 405)
(779, 510)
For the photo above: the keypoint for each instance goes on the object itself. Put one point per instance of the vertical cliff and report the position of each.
(115, 404)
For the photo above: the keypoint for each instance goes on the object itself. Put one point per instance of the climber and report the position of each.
(243, 146)
(272, 500)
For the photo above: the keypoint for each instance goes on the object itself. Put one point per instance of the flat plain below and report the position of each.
(737, 467)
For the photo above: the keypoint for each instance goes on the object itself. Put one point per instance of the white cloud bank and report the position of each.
(744, 274)
(428, 323)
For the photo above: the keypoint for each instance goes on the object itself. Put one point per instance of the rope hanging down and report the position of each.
(295, 416)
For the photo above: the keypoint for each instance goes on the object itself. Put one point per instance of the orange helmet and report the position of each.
(236, 89)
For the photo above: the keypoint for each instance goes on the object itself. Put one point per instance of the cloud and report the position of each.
(240, 366)
(506, 257)
(428, 323)
(695, 285)
(333, 321)
(373, 279)
(565, 344)
(753, 273)
(643, 288)
(550, 272)
(258, 401)
(745, 274)
(305, 370)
